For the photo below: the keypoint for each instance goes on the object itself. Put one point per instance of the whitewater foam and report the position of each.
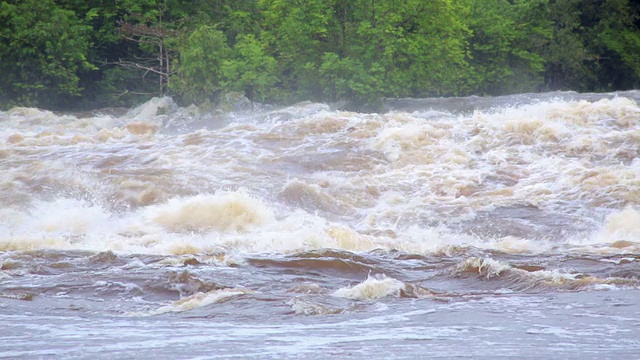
(374, 287)
(195, 301)
(223, 212)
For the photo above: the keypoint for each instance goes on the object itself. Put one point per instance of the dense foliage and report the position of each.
(94, 53)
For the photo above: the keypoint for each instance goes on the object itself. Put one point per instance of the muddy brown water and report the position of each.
(443, 228)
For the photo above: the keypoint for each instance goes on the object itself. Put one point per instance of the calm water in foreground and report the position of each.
(467, 227)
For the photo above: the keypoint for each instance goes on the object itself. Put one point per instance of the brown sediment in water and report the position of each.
(311, 211)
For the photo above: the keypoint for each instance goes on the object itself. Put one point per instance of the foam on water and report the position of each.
(150, 110)
(222, 212)
(307, 177)
(622, 226)
(375, 287)
(519, 279)
(196, 301)
(236, 221)
(274, 227)
(301, 306)
(486, 267)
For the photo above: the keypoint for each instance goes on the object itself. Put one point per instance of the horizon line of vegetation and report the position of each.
(82, 54)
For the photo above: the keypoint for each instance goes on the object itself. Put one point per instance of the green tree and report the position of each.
(201, 56)
(395, 48)
(296, 34)
(615, 38)
(567, 56)
(232, 17)
(595, 45)
(507, 45)
(56, 52)
(43, 53)
(250, 70)
(350, 79)
(130, 44)
(154, 30)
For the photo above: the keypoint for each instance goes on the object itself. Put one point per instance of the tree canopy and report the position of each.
(94, 53)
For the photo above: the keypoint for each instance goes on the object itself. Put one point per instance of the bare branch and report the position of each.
(141, 40)
(131, 64)
(140, 66)
(125, 92)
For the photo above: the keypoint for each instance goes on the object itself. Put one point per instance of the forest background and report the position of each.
(84, 54)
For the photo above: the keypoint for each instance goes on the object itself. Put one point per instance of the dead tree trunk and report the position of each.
(158, 62)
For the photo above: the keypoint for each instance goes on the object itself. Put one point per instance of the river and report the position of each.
(465, 227)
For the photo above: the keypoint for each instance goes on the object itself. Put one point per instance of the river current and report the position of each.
(463, 227)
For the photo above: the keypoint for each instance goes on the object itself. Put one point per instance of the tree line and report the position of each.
(63, 54)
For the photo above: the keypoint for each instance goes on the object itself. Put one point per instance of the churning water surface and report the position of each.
(464, 227)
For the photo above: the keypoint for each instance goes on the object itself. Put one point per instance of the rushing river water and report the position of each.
(465, 227)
